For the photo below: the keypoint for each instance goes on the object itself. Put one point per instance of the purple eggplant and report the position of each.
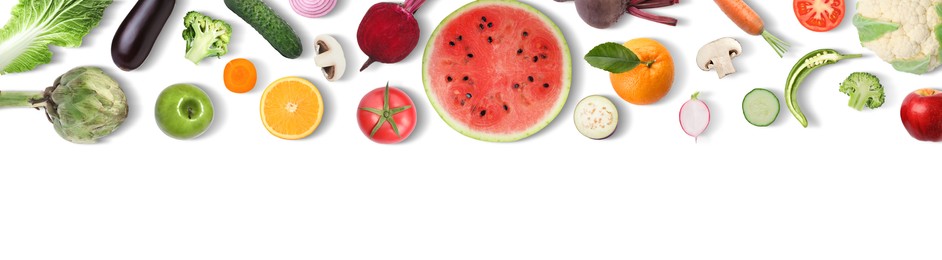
(136, 36)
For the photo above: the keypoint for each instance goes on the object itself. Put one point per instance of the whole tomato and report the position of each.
(386, 115)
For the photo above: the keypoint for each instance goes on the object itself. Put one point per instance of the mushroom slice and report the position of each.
(330, 57)
(718, 55)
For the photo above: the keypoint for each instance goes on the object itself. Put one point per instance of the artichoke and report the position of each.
(84, 104)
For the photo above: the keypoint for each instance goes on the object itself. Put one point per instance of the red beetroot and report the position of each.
(389, 32)
(603, 13)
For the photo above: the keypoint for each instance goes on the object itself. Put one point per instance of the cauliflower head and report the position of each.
(904, 33)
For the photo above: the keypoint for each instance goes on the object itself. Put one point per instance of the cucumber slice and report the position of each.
(760, 107)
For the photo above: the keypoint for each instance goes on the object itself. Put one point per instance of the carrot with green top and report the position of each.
(750, 22)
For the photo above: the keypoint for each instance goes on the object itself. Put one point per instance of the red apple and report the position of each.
(922, 114)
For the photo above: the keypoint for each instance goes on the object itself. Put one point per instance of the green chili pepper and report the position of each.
(802, 69)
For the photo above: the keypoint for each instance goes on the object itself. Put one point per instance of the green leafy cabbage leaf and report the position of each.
(938, 28)
(36, 24)
(870, 29)
(915, 66)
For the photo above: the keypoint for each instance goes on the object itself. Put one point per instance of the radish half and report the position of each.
(694, 116)
(596, 117)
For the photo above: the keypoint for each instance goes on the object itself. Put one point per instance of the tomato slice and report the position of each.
(819, 15)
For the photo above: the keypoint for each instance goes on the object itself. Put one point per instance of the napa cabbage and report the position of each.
(36, 24)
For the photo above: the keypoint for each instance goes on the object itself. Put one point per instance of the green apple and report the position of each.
(184, 111)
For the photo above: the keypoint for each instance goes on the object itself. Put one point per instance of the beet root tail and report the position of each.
(367, 64)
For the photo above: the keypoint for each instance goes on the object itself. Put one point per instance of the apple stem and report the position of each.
(22, 99)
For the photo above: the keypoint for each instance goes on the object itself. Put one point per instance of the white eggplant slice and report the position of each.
(596, 117)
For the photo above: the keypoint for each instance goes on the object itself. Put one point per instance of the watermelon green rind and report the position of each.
(564, 95)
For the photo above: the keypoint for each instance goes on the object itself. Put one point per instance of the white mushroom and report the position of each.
(330, 57)
(718, 55)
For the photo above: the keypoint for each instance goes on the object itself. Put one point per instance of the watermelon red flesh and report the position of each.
(497, 70)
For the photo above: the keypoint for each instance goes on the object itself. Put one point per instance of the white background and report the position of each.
(854, 185)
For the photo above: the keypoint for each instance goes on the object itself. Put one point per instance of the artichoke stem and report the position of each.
(22, 99)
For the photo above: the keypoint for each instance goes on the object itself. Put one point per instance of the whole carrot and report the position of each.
(750, 22)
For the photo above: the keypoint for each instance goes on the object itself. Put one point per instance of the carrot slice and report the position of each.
(240, 76)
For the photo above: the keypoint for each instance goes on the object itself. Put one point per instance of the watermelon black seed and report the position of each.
(530, 78)
(543, 56)
(465, 78)
(448, 78)
(535, 58)
(516, 85)
(519, 51)
(459, 37)
(546, 85)
(489, 25)
(470, 55)
(506, 108)
(481, 26)
(451, 43)
(525, 34)
(483, 112)
(468, 95)
(483, 18)
(490, 39)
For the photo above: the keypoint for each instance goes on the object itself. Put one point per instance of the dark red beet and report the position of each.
(389, 32)
(603, 13)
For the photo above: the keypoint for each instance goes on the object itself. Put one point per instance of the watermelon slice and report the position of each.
(497, 70)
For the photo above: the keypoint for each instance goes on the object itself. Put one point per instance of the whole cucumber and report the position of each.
(138, 32)
(271, 26)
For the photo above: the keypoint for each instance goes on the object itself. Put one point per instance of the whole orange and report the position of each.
(646, 83)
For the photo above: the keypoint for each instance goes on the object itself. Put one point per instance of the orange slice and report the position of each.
(291, 108)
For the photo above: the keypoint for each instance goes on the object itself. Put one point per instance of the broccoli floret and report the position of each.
(205, 36)
(864, 89)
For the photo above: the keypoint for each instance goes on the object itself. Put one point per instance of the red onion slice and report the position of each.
(313, 8)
